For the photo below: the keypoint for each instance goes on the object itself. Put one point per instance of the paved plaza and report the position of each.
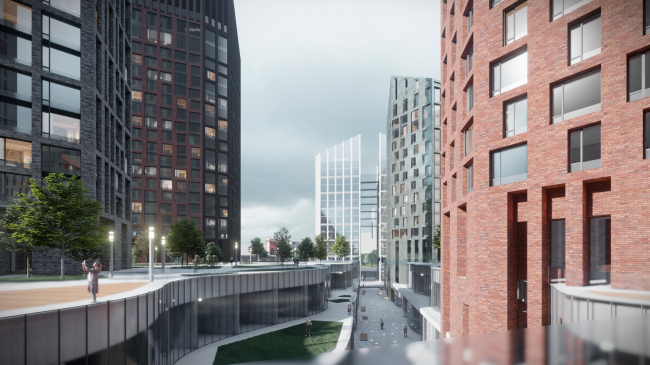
(394, 321)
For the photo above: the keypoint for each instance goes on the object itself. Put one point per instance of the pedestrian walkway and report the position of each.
(378, 308)
(336, 312)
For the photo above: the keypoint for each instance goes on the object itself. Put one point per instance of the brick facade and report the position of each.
(502, 233)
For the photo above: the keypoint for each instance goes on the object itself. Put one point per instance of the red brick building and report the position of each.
(545, 155)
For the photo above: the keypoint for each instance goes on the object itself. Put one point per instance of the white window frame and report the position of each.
(645, 89)
(523, 7)
(558, 14)
(584, 165)
(499, 65)
(576, 113)
(583, 56)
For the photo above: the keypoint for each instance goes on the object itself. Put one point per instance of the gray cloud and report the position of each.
(315, 73)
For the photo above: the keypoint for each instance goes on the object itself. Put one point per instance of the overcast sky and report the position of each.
(315, 73)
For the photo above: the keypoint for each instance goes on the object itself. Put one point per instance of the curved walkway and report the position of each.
(336, 312)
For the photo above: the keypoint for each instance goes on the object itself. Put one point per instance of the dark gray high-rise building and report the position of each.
(413, 173)
(64, 108)
(186, 118)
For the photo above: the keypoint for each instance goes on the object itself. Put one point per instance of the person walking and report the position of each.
(308, 328)
(232, 260)
(381, 323)
(93, 278)
(405, 331)
(349, 308)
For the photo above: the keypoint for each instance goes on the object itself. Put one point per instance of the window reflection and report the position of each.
(70, 6)
(61, 112)
(61, 160)
(16, 16)
(61, 46)
(223, 129)
(15, 106)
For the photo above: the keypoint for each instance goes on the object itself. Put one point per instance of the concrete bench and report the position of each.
(363, 337)
(364, 317)
(363, 309)
(363, 292)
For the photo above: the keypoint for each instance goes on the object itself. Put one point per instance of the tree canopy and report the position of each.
(59, 214)
(372, 257)
(140, 247)
(305, 249)
(435, 241)
(185, 237)
(341, 247)
(320, 247)
(212, 253)
(257, 247)
(282, 238)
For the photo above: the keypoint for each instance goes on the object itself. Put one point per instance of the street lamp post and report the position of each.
(163, 253)
(151, 255)
(110, 239)
(236, 262)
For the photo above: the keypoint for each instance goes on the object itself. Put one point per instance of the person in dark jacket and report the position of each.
(405, 331)
(308, 328)
(93, 278)
(381, 323)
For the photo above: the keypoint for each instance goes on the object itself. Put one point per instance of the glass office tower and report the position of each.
(64, 91)
(413, 176)
(186, 117)
(338, 189)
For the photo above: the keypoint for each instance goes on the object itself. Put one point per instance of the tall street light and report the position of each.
(236, 262)
(155, 257)
(151, 256)
(163, 253)
(110, 239)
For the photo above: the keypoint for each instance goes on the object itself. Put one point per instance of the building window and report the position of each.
(646, 18)
(222, 129)
(584, 39)
(510, 73)
(15, 153)
(469, 139)
(576, 97)
(150, 171)
(600, 248)
(222, 50)
(470, 177)
(516, 117)
(557, 245)
(585, 148)
(61, 48)
(560, 8)
(647, 135)
(15, 104)
(69, 6)
(61, 160)
(470, 18)
(470, 97)
(509, 165)
(16, 45)
(469, 60)
(61, 112)
(166, 184)
(638, 76)
(496, 2)
(516, 23)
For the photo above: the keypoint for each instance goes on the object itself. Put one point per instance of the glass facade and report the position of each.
(338, 193)
(412, 175)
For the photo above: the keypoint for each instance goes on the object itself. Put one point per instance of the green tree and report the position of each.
(341, 247)
(140, 247)
(185, 238)
(212, 254)
(305, 249)
(257, 248)
(283, 238)
(9, 243)
(320, 247)
(372, 257)
(61, 215)
(435, 241)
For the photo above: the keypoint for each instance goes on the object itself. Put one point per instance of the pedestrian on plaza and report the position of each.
(349, 308)
(232, 260)
(380, 294)
(405, 332)
(93, 279)
(308, 328)
(381, 323)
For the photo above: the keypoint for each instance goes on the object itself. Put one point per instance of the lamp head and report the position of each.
(163, 240)
(110, 236)
(151, 232)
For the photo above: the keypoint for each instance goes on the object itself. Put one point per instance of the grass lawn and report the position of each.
(288, 343)
(20, 279)
(339, 300)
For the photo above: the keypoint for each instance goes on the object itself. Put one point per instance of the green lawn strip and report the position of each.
(339, 300)
(345, 296)
(20, 279)
(288, 343)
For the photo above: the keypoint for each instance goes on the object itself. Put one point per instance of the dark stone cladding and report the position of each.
(105, 136)
(217, 12)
